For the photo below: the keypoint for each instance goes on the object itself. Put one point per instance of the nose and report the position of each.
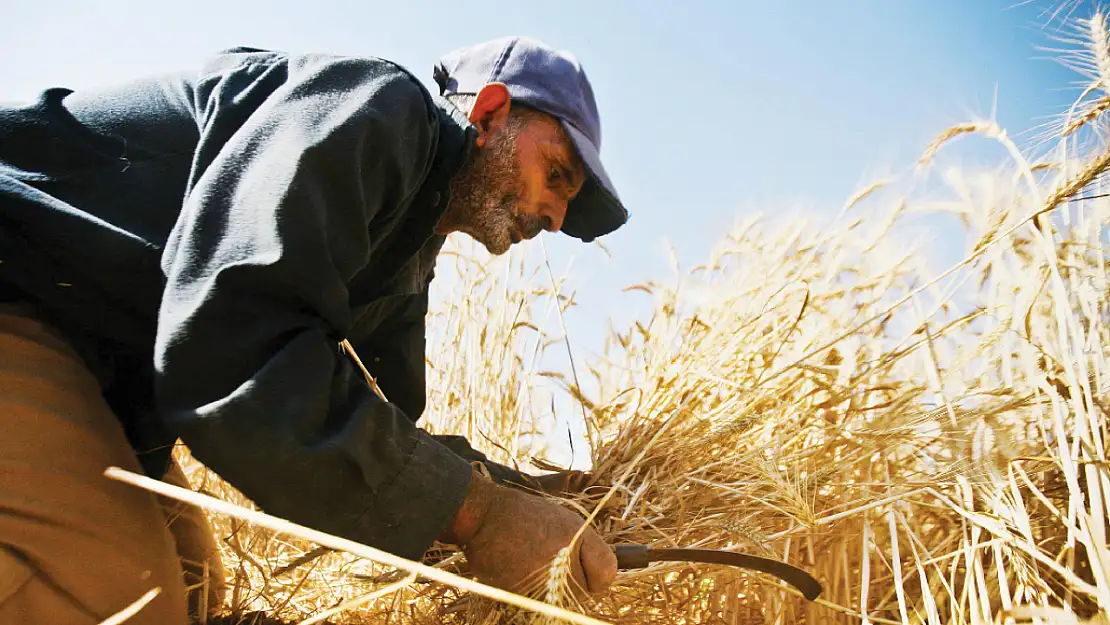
(554, 212)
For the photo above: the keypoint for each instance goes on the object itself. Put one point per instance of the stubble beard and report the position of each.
(484, 195)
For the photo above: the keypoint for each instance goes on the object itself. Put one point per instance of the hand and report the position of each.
(511, 537)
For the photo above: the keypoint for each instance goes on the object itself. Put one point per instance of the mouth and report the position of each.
(526, 230)
(521, 233)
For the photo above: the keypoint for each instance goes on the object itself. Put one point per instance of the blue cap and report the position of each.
(554, 82)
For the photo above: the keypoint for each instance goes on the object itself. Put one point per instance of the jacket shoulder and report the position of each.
(302, 66)
(240, 75)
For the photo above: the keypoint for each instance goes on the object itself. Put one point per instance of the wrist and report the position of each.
(472, 513)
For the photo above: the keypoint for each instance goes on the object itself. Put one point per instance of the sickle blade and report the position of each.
(639, 556)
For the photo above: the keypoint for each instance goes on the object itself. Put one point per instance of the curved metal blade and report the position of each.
(639, 556)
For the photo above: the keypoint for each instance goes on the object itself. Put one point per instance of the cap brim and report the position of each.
(597, 209)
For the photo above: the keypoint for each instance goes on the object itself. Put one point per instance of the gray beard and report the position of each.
(484, 196)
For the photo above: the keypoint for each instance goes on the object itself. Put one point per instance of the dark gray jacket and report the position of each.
(207, 239)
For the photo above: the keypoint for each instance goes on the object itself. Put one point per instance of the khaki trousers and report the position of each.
(75, 546)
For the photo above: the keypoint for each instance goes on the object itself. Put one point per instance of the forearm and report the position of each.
(498, 472)
(304, 445)
(394, 353)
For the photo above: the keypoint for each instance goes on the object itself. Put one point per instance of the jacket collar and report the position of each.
(456, 139)
(415, 235)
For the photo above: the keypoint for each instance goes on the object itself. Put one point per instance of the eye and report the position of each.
(554, 174)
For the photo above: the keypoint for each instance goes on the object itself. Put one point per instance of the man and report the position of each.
(182, 256)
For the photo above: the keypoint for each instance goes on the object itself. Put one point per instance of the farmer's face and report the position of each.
(519, 179)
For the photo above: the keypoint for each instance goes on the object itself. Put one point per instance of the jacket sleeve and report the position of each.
(249, 372)
(395, 355)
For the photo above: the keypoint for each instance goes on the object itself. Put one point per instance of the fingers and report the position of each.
(578, 573)
(598, 562)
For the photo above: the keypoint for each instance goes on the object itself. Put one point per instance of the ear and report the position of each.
(490, 110)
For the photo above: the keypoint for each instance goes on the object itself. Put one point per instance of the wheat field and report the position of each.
(930, 444)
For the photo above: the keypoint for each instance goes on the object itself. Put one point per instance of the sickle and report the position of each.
(640, 556)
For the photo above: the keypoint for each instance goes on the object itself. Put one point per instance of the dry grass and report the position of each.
(931, 446)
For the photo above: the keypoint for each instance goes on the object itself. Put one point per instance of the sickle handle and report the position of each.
(632, 556)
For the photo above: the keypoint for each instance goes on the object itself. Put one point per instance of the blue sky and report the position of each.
(710, 110)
